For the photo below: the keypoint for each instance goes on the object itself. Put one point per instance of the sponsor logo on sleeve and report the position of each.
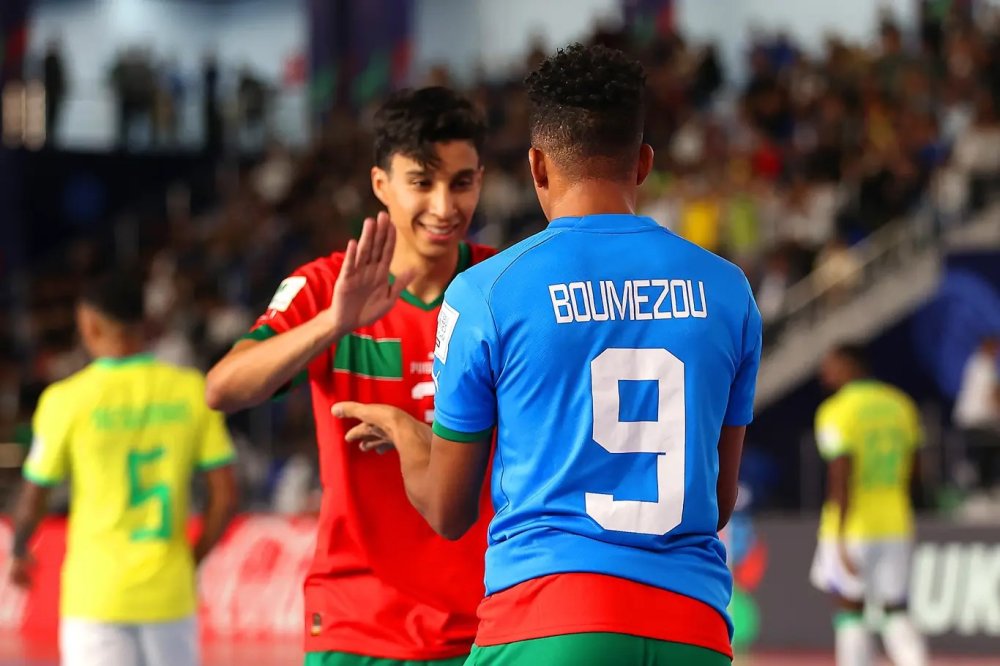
(447, 319)
(286, 293)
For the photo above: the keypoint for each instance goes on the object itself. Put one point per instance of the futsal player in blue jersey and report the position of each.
(616, 363)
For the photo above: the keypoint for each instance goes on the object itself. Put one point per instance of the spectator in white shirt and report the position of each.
(977, 412)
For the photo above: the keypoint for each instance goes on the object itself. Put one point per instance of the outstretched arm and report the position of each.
(253, 371)
(31, 507)
(443, 479)
(727, 486)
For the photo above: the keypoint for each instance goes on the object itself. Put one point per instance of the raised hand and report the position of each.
(383, 427)
(362, 294)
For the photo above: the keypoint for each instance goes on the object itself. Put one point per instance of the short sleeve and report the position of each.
(832, 436)
(216, 447)
(741, 393)
(48, 461)
(914, 427)
(298, 298)
(466, 354)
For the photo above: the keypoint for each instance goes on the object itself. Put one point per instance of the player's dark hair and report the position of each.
(587, 110)
(855, 354)
(117, 295)
(411, 121)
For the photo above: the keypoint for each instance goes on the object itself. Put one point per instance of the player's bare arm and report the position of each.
(838, 482)
(443, 479)
(727, 486)
(219, 509)
(31, 507)
(253, 371)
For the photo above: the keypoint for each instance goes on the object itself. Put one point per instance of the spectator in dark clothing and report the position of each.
(54, 82)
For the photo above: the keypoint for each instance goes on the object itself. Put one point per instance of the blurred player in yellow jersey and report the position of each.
(868, 432)
(128, 433)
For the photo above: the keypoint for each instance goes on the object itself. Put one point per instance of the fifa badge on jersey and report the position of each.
(829, 441)
(286, 293)
(447, 318)
(35, 452)
(317, 624)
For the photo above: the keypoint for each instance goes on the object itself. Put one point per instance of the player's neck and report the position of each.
(590, 197)
(430, 276)
(118, 348)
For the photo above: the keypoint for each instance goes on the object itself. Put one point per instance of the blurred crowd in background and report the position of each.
(784, 172)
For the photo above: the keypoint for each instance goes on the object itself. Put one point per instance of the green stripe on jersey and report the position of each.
(367, 357)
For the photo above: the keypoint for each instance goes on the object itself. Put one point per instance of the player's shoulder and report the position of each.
(485, 273)
(479, 253)
(896, 395)
(70, 393)
(316, 276)
(64, 392)
(704, 259)
(184, 375)
(834, 407)
(322, 268)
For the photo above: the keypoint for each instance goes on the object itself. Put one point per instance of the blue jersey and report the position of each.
(608, 352)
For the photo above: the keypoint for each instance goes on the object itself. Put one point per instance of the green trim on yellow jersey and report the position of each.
(39, 480)
(123, 361)
(209, 465)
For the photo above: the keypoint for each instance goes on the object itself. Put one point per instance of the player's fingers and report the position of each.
(365, 242)
(378, 446)
(401, 282)
(382, 226)
(365, 432)
(349, 410)
(387, 251)
(350, 258)
(21, 578)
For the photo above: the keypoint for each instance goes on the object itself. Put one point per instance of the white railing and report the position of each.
(884, 249)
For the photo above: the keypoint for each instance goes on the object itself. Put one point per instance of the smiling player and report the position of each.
(383, 588)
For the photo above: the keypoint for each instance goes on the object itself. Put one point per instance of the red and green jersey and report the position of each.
(382, 583)
(578, 602)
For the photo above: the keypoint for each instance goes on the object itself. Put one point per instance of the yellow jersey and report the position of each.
(878, 426)
(128, 435)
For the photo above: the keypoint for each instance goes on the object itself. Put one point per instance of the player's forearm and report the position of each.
(31, 507)
(412, 440)
(251, 374)
(219, 511)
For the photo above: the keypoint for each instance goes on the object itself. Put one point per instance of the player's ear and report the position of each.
(86, 324)
(380, 184)
(645, 163)
(539, 172)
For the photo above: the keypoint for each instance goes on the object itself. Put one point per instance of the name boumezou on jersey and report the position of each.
(631, 300)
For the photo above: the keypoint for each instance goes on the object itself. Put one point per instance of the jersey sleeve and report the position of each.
(48, 462)
(741, 392)
(833, 436)
(465, 365)
(914, 427)
(299, 298)
(216, 448)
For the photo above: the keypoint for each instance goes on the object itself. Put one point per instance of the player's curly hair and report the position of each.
(411, 121)
(116, 294)
(588, 108)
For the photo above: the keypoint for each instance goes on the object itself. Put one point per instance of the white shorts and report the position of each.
(883, 571)
(90, 643)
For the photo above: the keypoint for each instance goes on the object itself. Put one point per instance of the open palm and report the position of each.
(363, 294)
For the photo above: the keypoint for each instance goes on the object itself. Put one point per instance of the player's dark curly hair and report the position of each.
(588, 108)
(117, 295)
(411, 121)
(854, 353)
